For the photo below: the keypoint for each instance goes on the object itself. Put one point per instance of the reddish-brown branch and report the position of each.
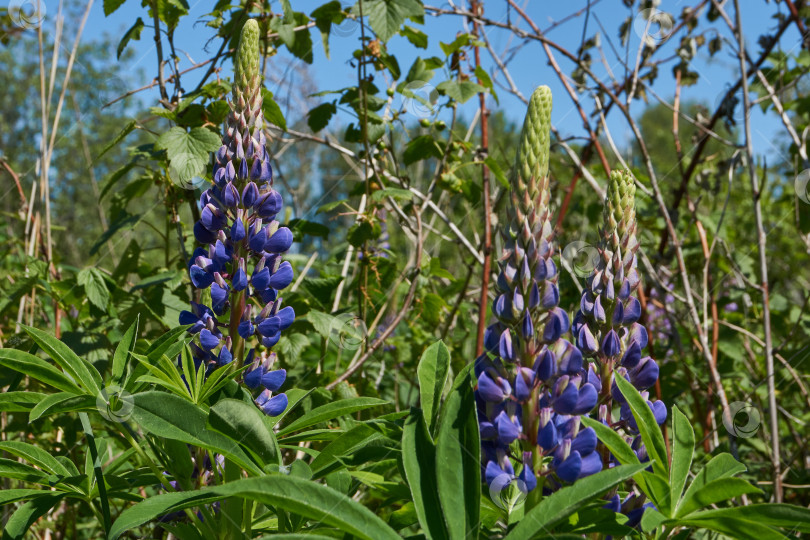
(483, 301)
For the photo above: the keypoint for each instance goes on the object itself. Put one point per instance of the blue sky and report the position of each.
(528, 68)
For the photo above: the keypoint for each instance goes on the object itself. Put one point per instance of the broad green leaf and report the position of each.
(244, 423)
(419, 461)
(271, 110)
(651, 519)
(35, 455)
(111, 6)
(683, 448)
(555, 508)
(386, 16)
(432, 372)
(416, 37)
(714, 492)
(304, 497)
(38, 369)
(650, 432)
(720, 466)
(170, 416)
(188, 151)
(94, 286)
(331, 411)
(28, 514)
(122, 351)
(458, 468)
(19, 401)
(617, 446)
(460, 91)
(134, 32)
(319, 117)
(62, 402)
(81, 370)
(421, 147)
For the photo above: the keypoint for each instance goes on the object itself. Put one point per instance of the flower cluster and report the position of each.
(240, 264)
(533, 383)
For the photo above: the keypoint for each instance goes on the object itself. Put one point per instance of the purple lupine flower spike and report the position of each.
(240, 261)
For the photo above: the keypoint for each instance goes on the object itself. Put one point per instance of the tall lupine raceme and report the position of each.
(241, 261)
(532, 386)
(606, 326)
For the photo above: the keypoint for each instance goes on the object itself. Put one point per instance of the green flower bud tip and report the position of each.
(246, 61)
(532, 154)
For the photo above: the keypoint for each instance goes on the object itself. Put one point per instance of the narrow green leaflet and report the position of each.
(19, 401)
(650, 432)
(38, 369)
(432, 373)
(295, 495)
(170, 416)
(717, 491)
(683, 447)
(419, 461)
(122, 352)
(81, 370)
(458, 448)
(331, 411)
(720, 466)
(558, 506)
(35, 455)
(28, 514)
(62, 402)
(360, 436)
(772, 514)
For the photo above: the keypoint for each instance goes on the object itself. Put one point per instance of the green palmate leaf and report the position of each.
(62, 402)
(94, 285)
(422, 147)
(717, 491)
(357, 438)
(134, 32)
(28, 514)
(170, 416)
(554, 509)
(319, 117)
(35, 455)
(81, 370)
(19, 401)
(432, 372)
(123, 350)
(244, 423)
(683, 448)
(458, 468)
(188, 151)
(38, 369)
(419, 461)
(386, 16)
(331, 411)
(308, 499)
(460, 91)
(650, 432)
